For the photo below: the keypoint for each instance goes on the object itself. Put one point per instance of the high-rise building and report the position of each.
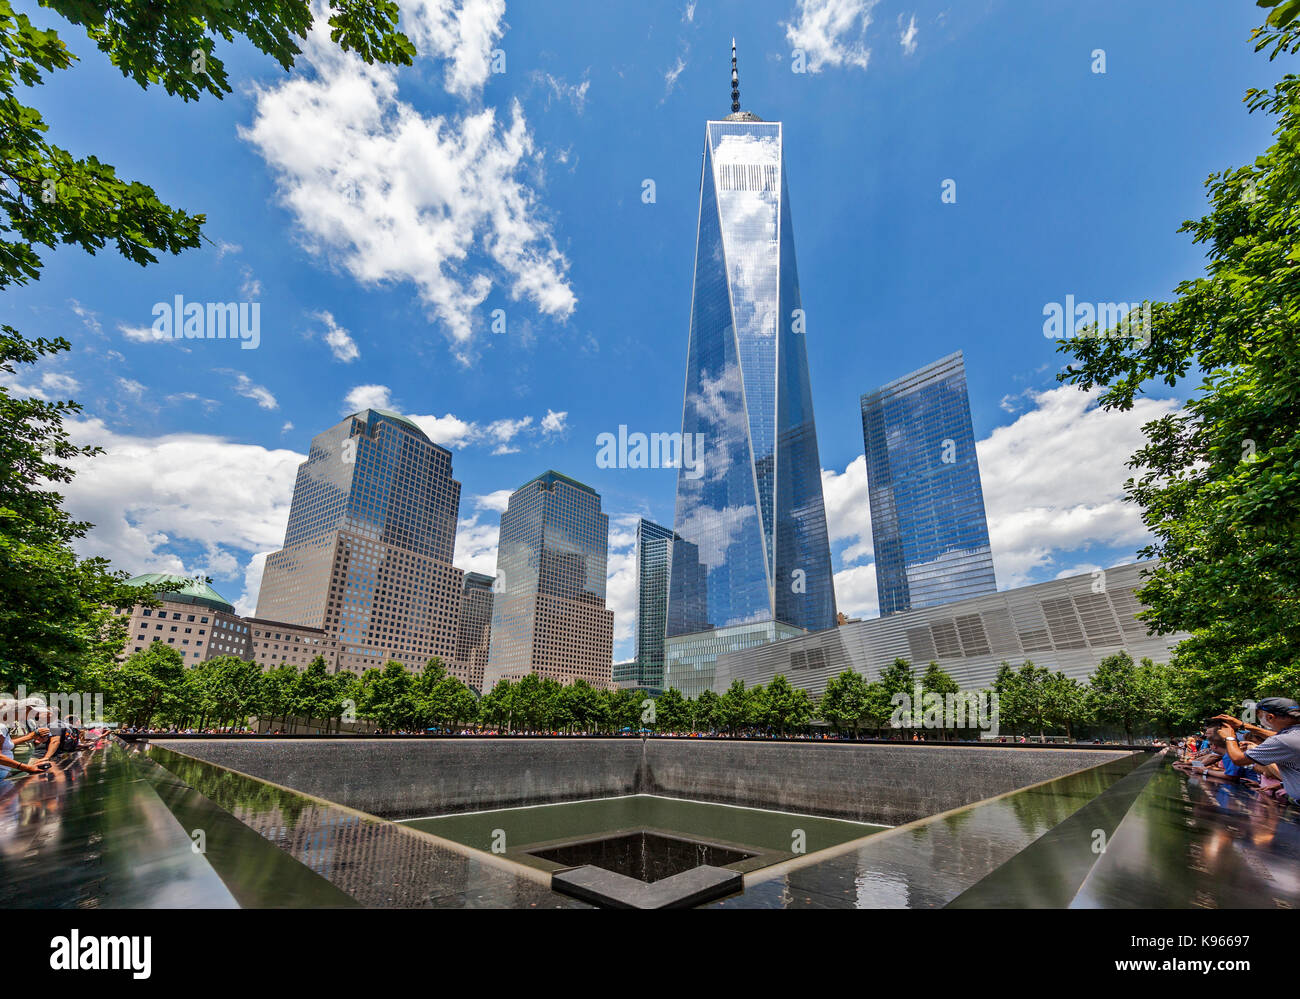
(367, 552)
(928, 526)
(654, 550)
(759, 565)
(548, 612)
(475, 633)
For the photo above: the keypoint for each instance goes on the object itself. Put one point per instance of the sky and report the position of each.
(498, 241)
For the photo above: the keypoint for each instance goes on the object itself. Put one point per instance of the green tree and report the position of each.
(705, 711)
(1116, 693)
(734, 707)
(672, 712)
(58, 629)
(317, 694)
(1218, 482)
(497, 705)
(782, 706)
(896, 681)
(1066, 703)
(844, 702)
(147, 684)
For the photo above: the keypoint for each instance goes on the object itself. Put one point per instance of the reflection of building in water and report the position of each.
(548, 614)
(760, 566)
(928, 528)
(1068, 625)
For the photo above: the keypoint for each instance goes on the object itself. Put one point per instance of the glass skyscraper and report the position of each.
(654, 550)
(927, 506)
(754, 563)
(548, 612)
(368, 548)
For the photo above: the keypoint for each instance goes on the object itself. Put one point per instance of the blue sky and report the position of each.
(379, 218)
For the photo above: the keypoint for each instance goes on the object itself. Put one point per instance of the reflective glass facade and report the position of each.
(654, 549)
(548, 611)
(927, 507)
(368, 547)
(753, 545)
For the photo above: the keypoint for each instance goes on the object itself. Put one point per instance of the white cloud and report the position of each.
(390, 195)
(50, 386)
(463, 33)
(367, 397)
(505, 431)
(689, 14)
(848, 509)
(447, 430)
(855, 591)
(453, 432)
(907, 37)
(140, 334)
(339, 340)
(249, 389)
(496, 501)
(670, 77)
(832, 32)
(131, 387)
(148, 496)
(555, 423)
(574, 93)
(249, 286)
(1053, 480)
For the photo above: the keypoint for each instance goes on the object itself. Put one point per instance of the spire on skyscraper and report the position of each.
(735, 81)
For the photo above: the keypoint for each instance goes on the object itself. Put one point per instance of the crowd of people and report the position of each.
(53, 738)
(1262, 755)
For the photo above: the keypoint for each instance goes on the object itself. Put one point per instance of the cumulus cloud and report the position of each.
(185, 503)
(554, 423)
(367, 397)
(463, 33)
(832, 32)
(391, 195)
(1053, 480)
(339, 340)
(848, 509)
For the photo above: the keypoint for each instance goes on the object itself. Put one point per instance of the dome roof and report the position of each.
(191, 591)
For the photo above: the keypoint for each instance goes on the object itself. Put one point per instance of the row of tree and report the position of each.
(153, 688)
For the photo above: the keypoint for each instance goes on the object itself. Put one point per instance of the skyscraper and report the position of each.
(473, 637)
(654, 549)
(760, 565)
(368, 548)
(927, 507)
(548, 613)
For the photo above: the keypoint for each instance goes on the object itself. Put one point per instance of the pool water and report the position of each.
(642, 835)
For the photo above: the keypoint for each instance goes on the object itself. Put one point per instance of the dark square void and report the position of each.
(645, 856)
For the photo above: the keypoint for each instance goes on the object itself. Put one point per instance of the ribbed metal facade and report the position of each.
(1068, 625)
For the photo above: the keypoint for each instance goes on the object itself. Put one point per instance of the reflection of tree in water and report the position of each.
(235, 792)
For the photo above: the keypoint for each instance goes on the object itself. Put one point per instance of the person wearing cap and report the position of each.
(1281, 716)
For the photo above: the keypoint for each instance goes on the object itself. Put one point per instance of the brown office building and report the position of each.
(549, 615)
(367, 551)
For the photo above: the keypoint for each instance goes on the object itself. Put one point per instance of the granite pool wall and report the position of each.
(865, 782)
